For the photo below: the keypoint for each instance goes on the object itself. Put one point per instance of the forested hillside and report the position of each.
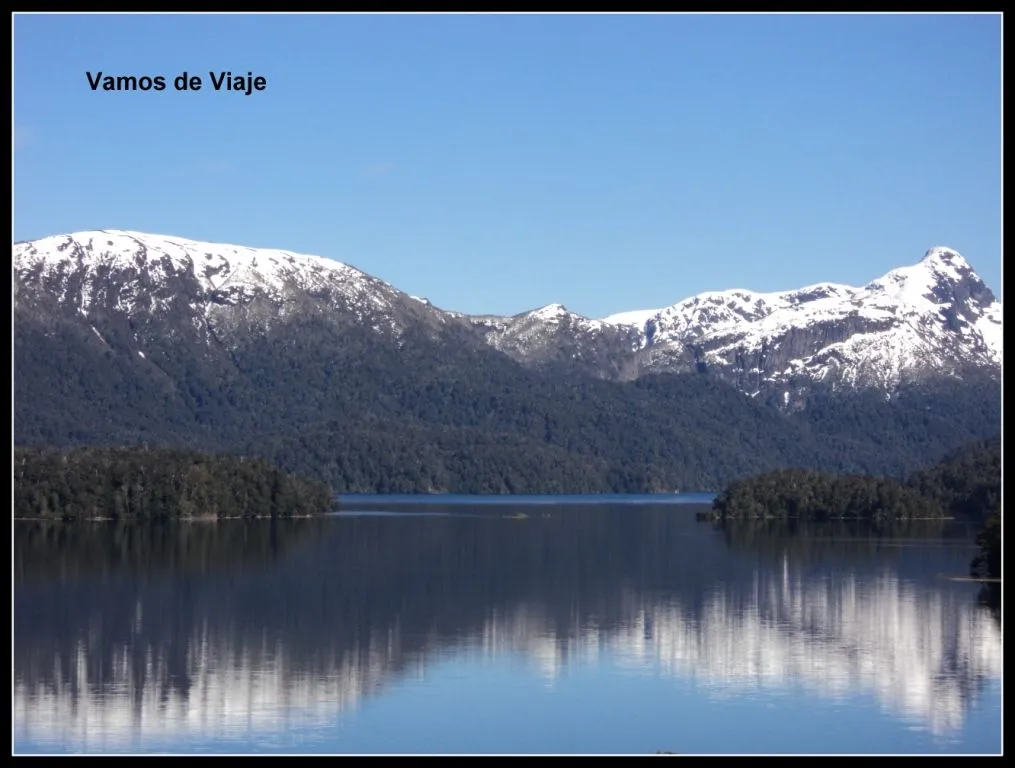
(368, 415)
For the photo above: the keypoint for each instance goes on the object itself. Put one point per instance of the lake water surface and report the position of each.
(502, 625)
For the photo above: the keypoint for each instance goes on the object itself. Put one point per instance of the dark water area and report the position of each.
(502, 625)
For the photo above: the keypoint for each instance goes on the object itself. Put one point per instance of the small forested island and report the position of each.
(157, 484)
(966, 485)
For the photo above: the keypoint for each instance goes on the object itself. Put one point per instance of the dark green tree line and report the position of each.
(967, 484)
(157, 484)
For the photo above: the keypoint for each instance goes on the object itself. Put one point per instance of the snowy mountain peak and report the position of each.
(549, 312)
(936, 314)
(944, 255)
(214, 265)
(941, 279)
(131, 272)
(937, 275)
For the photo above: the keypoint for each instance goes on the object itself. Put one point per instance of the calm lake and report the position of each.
(492, 625)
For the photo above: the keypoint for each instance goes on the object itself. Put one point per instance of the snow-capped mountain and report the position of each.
(553, 335)
(934, 317)
(131, 273)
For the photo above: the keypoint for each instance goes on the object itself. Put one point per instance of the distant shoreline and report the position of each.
(979, 580)
(143, 521)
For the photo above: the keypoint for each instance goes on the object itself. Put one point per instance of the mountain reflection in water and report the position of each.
(130, 638)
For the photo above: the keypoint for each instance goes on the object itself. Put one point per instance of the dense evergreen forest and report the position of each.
(158, 484)
(812, 495)
(965, 484)
(368, 415)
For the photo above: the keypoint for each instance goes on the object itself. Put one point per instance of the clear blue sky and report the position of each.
(499, 163)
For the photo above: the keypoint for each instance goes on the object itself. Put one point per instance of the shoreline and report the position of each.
(202, 519)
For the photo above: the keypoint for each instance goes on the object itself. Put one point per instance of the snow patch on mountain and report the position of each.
(558, 313)
(215, 265)
(988, 326)
(226, 274)
(635, 318)
(549, 312)
(933, 315)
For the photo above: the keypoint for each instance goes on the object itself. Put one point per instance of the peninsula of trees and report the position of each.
(966, 484)
(158, 484)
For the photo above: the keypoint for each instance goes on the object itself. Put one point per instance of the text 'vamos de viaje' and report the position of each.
(220, 81)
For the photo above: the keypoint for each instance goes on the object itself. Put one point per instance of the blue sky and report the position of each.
(500, 163)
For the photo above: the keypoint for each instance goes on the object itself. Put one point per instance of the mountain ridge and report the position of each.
(330, 372)
(936, 316)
